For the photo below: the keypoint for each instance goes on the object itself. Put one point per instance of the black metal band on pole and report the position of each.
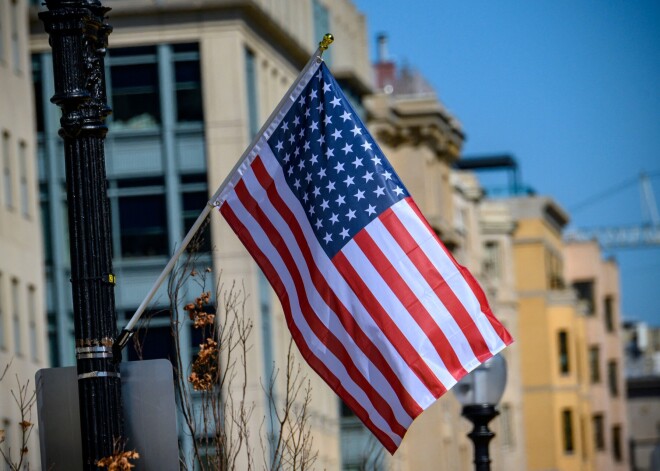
(78, 36)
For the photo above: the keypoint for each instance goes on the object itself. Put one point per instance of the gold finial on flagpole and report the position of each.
(326, 41)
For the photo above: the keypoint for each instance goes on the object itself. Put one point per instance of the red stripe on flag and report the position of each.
(472, 283)
(315, 362)
(388, 326)
(411, 303)
(363, 341)
(325, 335)
(437, 282)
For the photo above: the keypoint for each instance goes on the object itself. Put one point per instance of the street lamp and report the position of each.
(479, 392)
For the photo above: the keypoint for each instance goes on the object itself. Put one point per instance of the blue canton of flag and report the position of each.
(332, 164)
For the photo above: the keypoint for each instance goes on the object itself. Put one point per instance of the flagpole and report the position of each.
(128, 331)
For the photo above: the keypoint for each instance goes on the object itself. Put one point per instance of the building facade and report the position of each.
(596, 282)
(22, 320)
(551, 342)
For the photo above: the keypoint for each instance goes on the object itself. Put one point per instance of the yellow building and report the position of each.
(551, 342)
(22, 315)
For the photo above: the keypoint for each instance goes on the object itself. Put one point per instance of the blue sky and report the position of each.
(570, 88)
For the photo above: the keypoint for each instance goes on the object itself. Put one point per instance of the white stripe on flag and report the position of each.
(397, 311)
(453, 277)
(424, 293)
(315, 345)
(326, 315)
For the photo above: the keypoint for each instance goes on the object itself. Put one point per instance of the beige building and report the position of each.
(22, 316)
(596, 282)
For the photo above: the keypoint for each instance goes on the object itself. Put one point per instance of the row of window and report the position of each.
(140, 216)
(11, 47)
(594, 363)
(15, 158)
(136, 78)
(598, 426)
(18, 301)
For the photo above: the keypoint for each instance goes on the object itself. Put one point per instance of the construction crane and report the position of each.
(645, 235)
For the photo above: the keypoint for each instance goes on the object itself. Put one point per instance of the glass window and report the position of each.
(23, 178)
(613, 377)
(564, 364)
(2, 316)
(617, 447)
(253, 109)
(608, 304)
(154, 339)
(507, 425)
(143, 226)
(15, 36)
(32, 315)
(188, 91)
(6, 171)
(46, 224)
(599, 432)
(585, 293)
(135, 97)
(321, 25)
(491, 263)
(53, 340)
(2, 36)
(37, 85)
(193, 204)
(594, 364)
(567, 427)
(16, 317)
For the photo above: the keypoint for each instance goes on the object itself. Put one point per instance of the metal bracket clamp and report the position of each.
(99, 374)
(87, 353)
(120, 343)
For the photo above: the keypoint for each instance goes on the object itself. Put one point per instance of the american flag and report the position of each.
(376, 304)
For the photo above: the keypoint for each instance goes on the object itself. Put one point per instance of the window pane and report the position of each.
(155, 342)
(188, 91)
(16, 318)
(613, 377)
(594, 364)
(567, 419)
(23, 178)
(599, 433)
(617, 448)
(609, 313)
(143, 226)
(135, 101)
(193, 204)
(53, 343)
(38, 92)
(564, 366)
(2, 317)
(6, 165)
(585, 293)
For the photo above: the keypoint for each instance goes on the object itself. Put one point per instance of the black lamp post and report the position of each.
(479, 392)
(78, 36)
